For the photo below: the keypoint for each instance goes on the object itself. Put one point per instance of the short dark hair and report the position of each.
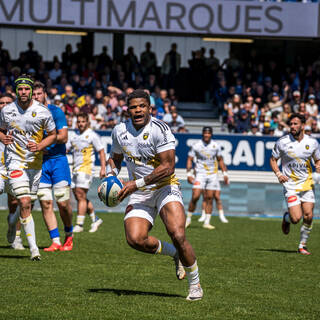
(39, 85)
(7, 95)
(139, 93)
(299, 116)
(83, 115)
(207, 128)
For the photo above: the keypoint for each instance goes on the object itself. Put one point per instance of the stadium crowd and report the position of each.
(253, 96)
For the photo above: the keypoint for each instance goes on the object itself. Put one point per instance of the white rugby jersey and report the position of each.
(296, 160)
(205, 157)
(82, 146)
(3, 170)
(141, 148)
(25, 125)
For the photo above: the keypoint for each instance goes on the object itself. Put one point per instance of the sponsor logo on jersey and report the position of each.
(307, 147)
(34, 113)
(196, 183)
(292, 199)
(145, 136)
(16, 174)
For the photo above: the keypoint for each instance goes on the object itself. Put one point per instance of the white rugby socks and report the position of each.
(29, 229)
(304, 234)
(192, 274)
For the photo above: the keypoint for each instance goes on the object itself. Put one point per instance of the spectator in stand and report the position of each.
(311, 106)
(102, 107)
(130, 62)
(254, 130)
(87, 106)
(32, 56)
(266, 128)
(104, 60)
(232, 109)
(98, 97)
(70, 105)
(175, 124)
(285, 114)
(280, 130)
(57, 100)
(67, 56)
(114, 92)
(242, 123)
(83, 87)
(148, 61)
(168, 116)
(56, 72)
(275, 104)
(295, 103)
(170, 67)
(4, 57)
(315, 127)
(307, 130)
(68, 93)
(159, 101)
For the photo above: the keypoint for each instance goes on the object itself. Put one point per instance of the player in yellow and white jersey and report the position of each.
(14, 226)
(148, 147)
(207, 155)
(82, 144)
(25, 121)
(296, 151)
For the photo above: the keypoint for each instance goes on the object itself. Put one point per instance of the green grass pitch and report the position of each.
(248, 270)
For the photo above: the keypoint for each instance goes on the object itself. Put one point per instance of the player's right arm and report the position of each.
(275, 168)
(276, 155)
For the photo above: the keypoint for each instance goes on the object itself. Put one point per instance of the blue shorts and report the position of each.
(54, 171)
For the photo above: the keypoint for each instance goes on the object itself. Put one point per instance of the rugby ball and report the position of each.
(108, 191)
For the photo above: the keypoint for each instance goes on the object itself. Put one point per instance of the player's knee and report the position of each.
(135, 241)
(62, 194)
(44, 194)
(25, 202)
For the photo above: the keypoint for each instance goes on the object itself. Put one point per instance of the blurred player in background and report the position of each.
(25, 121)
(296, 151)
(82, 144)
(55, 177)
(14, 226)
(148, 147)
(207, 156)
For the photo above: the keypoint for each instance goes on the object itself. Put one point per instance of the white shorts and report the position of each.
(206, 182)
(294, 198)
(81, 180)
(24, 182)
(147, 206)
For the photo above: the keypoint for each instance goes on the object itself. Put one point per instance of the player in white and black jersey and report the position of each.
(148, 147)
(206, 154)
(25, 121)
(296, 151)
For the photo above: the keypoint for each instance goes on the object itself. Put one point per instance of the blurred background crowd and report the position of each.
(252, 95)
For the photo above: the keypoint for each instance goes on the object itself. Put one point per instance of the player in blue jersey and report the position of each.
(55, 177)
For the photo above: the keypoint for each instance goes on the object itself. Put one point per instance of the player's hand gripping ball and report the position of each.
(108, 191)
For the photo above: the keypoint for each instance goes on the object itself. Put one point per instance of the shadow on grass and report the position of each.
(122, 292)
(278, 250)
(3, 256)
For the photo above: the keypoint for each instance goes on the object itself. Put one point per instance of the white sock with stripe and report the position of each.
(29, 229)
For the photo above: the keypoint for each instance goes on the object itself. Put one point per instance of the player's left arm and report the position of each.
(224, 170)
(46, 142)
(62, 136)
(165, 169)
